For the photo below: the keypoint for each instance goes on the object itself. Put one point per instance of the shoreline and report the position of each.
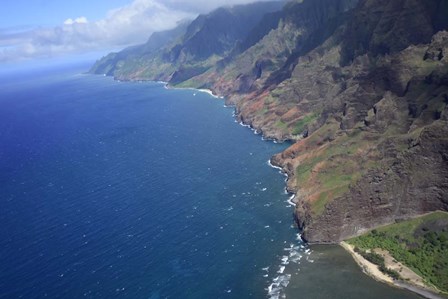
(368, 268)
(372, 270)
(204, 90)
(280, 282)
(293, 195)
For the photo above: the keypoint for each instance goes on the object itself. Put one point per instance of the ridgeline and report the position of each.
(361, 87)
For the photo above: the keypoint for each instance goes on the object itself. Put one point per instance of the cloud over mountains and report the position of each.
(127, 25)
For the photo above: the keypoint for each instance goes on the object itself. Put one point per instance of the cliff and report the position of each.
(188, 50)
(361, 87)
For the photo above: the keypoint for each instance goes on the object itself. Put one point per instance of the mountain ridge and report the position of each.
(361, 87)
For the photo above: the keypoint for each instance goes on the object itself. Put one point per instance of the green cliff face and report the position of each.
(188, 50)
(130, 58)
(360, 86)
(376, 152)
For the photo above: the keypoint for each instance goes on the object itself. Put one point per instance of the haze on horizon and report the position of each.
(40, 29)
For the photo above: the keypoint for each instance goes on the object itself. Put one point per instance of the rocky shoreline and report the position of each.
(359, 86)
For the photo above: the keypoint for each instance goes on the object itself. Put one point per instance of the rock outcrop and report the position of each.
(361, 87)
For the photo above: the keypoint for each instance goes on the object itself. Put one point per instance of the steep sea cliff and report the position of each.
(359, 86)
(130, 190)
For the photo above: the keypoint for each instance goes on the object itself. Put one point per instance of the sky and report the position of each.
(46, 29)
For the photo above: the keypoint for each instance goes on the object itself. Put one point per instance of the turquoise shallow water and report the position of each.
(129, 190)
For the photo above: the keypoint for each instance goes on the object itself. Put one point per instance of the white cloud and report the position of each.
(80, 20)
(121, 27)
(127, 25)
(202, 6)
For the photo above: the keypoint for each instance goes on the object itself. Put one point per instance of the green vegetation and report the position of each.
(262, 111)
(303, 171)
(277, 92)
(421, 244)
(269, 100)
(334, 166)
(281, 125)
(378, 260)
(325, 196)
(301, 123)
(334, 183)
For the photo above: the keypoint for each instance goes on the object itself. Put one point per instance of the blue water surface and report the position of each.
(130, 190)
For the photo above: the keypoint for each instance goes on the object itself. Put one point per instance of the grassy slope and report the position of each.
(420, 243)
(339, 160)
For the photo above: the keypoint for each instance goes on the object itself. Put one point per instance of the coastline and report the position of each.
(280, 282)
(373, 271)
(292, 196)
(210, 92)
(291, 199)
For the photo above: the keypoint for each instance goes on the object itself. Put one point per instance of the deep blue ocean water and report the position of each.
(130, 190)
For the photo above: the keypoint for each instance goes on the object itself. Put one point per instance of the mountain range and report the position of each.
(359, 86)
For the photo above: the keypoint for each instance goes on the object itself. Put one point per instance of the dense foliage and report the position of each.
(377, 259)
(421, 244)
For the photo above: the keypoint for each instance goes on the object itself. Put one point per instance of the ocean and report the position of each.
(131, 190)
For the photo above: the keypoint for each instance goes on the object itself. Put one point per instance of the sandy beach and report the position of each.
(412, 281)
(367, 267)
